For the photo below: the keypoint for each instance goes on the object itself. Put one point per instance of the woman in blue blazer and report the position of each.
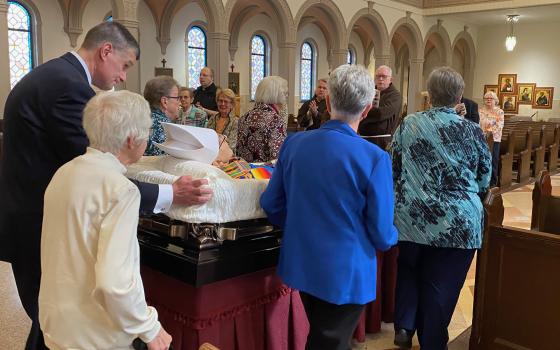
(332, 194)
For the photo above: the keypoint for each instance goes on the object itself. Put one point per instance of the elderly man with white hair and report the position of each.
(333, 227)
(91, 294)
(383, 119)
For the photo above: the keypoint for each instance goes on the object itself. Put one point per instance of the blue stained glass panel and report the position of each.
(196, 55)
(306, 72)
(350, 59)
(258, 62)
(19, 42)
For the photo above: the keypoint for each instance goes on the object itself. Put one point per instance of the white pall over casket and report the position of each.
(233, 200)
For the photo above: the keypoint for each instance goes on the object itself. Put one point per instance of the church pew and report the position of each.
(538, 143)
(506, 159)
(545, 215)
(521, 150)
(516, 292)
(552, 140)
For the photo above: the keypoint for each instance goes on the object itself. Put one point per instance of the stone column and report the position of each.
(132, 82)
(218, 57)
(338, 58)
(287, 70)
(4, 56)
(415, 84)
(382, 60)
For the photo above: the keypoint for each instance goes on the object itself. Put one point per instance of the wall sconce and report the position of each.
(511, 39)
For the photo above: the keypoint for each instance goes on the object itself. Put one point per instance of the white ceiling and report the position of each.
(548, 13)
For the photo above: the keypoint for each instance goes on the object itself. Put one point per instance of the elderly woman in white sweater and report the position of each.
(91, 294)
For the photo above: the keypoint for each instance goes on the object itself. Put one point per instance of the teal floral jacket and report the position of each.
(156, 132)
(441, 170)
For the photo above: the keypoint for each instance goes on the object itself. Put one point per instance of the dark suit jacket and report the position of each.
(42, 131)
(384, 119)
(472, 110)
(304, 120)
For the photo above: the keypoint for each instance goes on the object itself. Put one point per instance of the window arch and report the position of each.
(259, 62)
(20, 41)
(306, 71)
(108, 17)
(196, 54)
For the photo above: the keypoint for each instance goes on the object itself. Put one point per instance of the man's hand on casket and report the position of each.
(187, 191)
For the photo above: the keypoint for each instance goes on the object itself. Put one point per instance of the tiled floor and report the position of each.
(14, 324)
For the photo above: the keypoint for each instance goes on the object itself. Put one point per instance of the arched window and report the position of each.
(20, 41)
(307, 63)
(196, 54)
(108, 18)
(258, 62)
(351, 56)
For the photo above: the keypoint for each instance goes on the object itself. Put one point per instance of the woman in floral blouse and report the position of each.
(225, 122)
(441, 170)
(162, 93)
(492, 119)
(262, 130)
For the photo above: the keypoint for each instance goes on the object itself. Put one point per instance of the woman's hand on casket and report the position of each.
(188, 191)
(162, 341)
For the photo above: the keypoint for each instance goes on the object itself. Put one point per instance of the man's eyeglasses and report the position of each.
(382, 77)
(174, 97)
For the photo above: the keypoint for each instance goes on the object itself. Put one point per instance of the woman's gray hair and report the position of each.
(492, 94)
(157, 88)
(445, 87)
(272, 90)
(351, 89)
(111, 117)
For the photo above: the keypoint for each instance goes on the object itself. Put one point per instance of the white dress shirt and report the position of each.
(91, 294)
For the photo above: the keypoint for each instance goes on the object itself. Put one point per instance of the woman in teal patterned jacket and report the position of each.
(441, 170)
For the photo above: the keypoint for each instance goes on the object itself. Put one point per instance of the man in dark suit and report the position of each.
(468, 109)
(385, 117)
(42, 131)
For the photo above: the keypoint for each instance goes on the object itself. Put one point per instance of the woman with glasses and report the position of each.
(262, 130)
(225, 122)
(162, 93)
(492, 119)
(189, 114)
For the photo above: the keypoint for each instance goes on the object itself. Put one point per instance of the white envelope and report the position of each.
(190, 142)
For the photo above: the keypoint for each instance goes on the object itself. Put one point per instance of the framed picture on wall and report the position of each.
(525, 93)
(506, 83)
(543, 97)
(493, 88)
(508, 102)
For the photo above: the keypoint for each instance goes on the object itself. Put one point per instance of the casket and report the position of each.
(225, 237)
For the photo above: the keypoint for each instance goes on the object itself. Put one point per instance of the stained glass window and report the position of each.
(350, 59)
(306, 71)
(109, 18)
(19, 41)
(258, 62)
(196, 55)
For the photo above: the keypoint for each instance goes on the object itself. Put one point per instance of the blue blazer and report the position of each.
(332, 193)
(42, 131)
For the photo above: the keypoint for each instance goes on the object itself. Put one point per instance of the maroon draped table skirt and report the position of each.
(255, 311)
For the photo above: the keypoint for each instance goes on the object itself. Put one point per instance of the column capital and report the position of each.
(218, 36)
(3, 6)
(129, 23)
(382, 57)
(416, 60)
(288, 45)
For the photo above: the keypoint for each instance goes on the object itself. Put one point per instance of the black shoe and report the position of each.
(403, 338)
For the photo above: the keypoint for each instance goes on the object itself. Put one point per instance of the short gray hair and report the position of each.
(114, 33)
(273, 90)
(351, 89)
(158, 87)
(492, 95)
(387, 68)
(110, 117)
(445, 87)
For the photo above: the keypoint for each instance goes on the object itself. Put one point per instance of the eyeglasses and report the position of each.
(224, 101)
(382, 77)
(174, 97)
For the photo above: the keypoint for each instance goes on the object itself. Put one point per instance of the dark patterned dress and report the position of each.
(261, 133)
(156, 132)
(441, 169)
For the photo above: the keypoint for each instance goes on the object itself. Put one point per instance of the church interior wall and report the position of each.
(358, 47)
(313, 32)
(176, 54)
(94, 13)
(534, 61)
(150, 52)
(259, 24)
(55, 40)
